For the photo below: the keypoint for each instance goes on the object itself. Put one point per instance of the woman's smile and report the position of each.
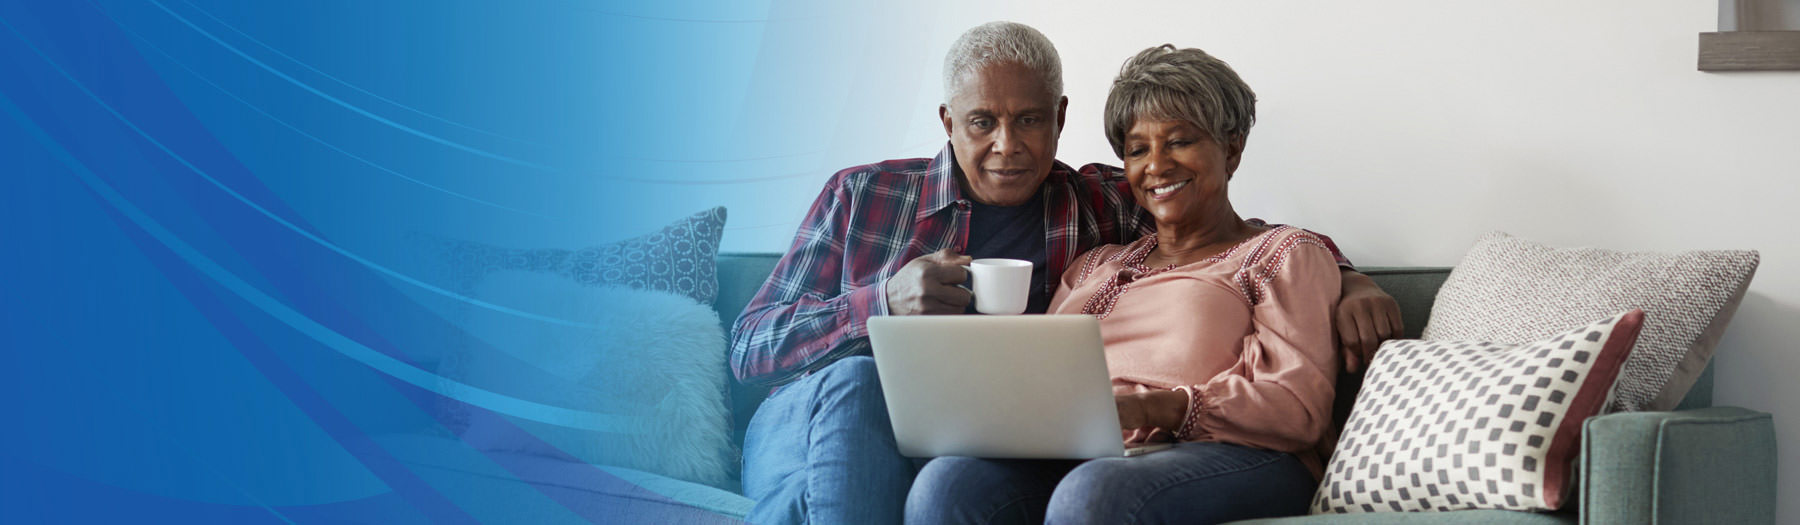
(1167, 190)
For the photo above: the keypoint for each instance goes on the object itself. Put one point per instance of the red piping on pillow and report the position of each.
(1587, 402)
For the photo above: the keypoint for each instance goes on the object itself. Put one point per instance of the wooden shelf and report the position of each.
(1750, 51)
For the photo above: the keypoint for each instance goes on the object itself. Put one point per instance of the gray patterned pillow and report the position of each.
(678, 258)
(1441, 426)
(1509, 290)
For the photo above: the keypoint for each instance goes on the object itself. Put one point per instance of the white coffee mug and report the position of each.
(1001, 286)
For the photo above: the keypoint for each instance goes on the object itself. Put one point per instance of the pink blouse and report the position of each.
(1246, 333)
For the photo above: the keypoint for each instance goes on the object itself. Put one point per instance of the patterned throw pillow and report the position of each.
(1442, 426)
(1509, 290)
(678, 258)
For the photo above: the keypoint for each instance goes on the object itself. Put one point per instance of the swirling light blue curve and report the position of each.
(271, 215)
(347, 105)
(347, 84)
(253, 107)
(275, 308)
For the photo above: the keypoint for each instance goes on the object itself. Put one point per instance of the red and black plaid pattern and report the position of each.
(868, 222)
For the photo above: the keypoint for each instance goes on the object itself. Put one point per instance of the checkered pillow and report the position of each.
(1442, 425)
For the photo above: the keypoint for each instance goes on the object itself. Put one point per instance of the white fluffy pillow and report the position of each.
(656, 358)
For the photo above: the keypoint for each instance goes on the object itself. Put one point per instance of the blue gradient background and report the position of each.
(209, 301)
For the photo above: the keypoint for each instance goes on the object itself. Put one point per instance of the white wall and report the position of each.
(1406, 129)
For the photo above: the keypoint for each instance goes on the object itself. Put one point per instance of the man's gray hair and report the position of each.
(1165, 83)
(998, 42)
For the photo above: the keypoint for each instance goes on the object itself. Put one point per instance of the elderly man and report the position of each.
(889, 239)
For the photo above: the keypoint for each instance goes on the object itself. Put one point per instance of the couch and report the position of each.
(1696, 464)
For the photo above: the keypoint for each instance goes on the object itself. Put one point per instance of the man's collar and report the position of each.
(941, 189)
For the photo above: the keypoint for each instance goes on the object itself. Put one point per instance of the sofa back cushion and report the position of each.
(1414, 287)
(740, 276)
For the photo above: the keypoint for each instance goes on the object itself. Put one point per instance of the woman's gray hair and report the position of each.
(1165, 83)
(998, 42)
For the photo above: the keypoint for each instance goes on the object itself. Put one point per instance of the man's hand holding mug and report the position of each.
(928, 285)
(933, 284)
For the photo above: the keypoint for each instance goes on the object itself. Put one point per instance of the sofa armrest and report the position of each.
(1708, 465)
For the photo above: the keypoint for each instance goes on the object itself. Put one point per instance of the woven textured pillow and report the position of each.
(1509, 290)
(1442, 426)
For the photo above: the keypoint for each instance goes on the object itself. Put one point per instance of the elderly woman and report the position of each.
(1217, 332)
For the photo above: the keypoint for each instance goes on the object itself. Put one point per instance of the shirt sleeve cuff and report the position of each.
(1190, 425)
(881, 306)
(863, 303)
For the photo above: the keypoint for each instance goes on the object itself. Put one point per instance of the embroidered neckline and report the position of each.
(1131, 260)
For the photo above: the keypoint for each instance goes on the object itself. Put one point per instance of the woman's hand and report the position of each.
(1163, 409)
(1366, 316)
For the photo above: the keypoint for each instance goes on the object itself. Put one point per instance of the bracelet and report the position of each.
(1193, 414)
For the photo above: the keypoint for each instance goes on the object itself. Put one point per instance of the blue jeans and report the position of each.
(821, 450)
(1191, 483)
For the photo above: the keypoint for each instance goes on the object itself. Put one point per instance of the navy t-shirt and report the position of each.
(1013, 232)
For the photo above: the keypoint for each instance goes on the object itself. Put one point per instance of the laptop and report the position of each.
(997, 386)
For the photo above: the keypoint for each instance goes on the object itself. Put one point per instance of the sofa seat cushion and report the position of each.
(1496, 517)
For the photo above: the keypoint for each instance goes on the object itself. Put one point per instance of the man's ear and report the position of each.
(1234, 153)
(944, 115)
(1062, 114)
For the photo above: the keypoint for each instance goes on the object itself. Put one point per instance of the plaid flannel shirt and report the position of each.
(871, 220)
